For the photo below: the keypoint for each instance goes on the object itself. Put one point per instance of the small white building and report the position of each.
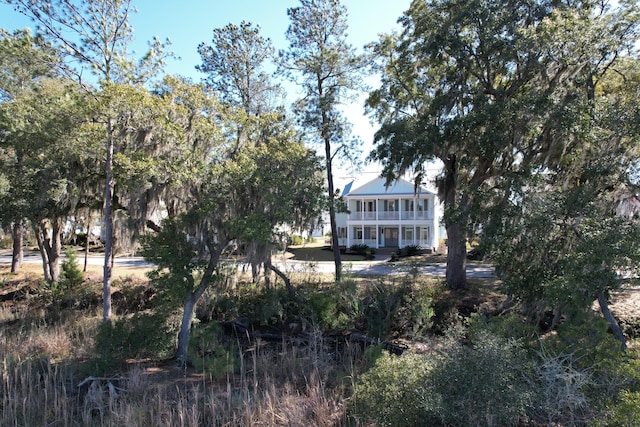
(393, 217)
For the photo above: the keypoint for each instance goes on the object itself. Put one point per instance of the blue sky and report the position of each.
(187, 23)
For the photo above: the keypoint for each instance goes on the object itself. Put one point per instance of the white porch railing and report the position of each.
(369, 242)
(388, 215)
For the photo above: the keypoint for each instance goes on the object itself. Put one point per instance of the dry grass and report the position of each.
(273, 386)
(43, 365)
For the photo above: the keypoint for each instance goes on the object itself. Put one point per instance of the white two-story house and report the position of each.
(392, 217)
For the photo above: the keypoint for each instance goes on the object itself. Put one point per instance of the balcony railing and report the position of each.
(389, 215)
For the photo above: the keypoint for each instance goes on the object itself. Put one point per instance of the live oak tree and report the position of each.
(58, 169)
(95, 35)
(226, 197)
(234, 63)
(25, 58)
(562, 242)
(491, 90)
(326, 66)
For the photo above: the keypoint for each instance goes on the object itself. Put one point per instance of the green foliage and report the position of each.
(71, 276)
(626, 412)
(333, 310)
(141, 335)
(411, 250)
(295, 240)
(508, 326)
(266, 306)
(381, 304)
(394, 392)
(208, 353)
(481, 383)
(361, 249)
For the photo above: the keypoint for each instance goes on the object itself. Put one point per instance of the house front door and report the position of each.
(391, 237)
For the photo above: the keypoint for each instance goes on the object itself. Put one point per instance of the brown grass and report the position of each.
(273, 386)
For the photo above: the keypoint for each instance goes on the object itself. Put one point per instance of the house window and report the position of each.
(408, 205)
(390, 205)
(370, 233)
(371, 206)
(358, 233)
(424, 234)
(407, 234)
(342, 232)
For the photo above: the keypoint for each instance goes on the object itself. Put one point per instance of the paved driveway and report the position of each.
(378, 268)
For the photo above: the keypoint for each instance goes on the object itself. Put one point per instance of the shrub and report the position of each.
(142, 335)
(70, 278)
(411, 250)
(295, 240)
(393, 392)
(71, 275)
(481, 384)
(208, 354)
(381, 303)
(559, 386)
(336, 308)
(627, 410)
(362, 249)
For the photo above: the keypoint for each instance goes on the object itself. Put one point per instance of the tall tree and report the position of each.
(326, 66)
(235, 66)
(226, 197)
(235, 63)
(489, 89)
(25, 58)
(56, 166)
(562, 241)
(96, 34)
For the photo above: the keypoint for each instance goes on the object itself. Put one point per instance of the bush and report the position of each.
(627, 410)
(208, 354)
(362, 249)
(559, 386)
(71, 275)
(295, 240)
(142, 335)
(393, 392)
(359, 249)
(484, 383)
(411, 250)
(71, 278)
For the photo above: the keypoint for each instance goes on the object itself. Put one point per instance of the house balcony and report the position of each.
(389, 215)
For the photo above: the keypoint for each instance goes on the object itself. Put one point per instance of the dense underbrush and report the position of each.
(261, 357)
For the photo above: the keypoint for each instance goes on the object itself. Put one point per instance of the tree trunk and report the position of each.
(108, 222)
(456, 256)
(285, 279)
(455, 220)
(615, 328)
(54, 249)
(40, 231)
(182, 353)
(335, 244)
(18, 241)
(86, 247)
